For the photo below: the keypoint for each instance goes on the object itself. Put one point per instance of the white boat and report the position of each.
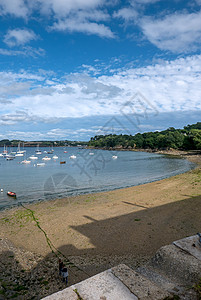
(55, 157)
(72, 157)
(40, 164)
(114, 157)
(20, 151)
(13, 152)
(37, 150)
(25, 161)
(46, 158)
(19, 154)
(10, 157)
(33, 157)
(91, 153)
(5, 151)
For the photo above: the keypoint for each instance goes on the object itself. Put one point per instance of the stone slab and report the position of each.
(66, 294)
(104, 286)
(142, 287)
(190, 245)
(177, 265)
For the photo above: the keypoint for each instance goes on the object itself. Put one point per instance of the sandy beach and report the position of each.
(96, 231)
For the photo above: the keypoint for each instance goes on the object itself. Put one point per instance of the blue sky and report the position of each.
(72, 69)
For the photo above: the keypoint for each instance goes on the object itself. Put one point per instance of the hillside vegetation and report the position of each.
(188, 138)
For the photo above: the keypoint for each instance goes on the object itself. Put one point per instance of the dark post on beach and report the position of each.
(61, 265)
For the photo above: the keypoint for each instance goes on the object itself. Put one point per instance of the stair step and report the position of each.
(177, 265)
(138, 284)
(160, 280)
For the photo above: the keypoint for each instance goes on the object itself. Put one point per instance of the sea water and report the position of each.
(87, 171)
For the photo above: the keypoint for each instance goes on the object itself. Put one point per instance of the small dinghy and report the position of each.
(40, 164)
(46, 158)
(12, 194)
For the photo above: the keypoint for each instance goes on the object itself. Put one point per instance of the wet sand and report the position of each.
(100, 230)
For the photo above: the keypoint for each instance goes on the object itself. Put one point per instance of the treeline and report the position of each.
(188, 138)
(14, 143)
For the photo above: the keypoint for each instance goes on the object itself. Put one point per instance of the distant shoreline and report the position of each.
(159, 151)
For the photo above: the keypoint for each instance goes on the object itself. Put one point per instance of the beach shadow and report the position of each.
(141, 232)
(137, 205)
(115, 240)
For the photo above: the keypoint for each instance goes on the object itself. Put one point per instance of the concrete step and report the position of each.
(103, 286)
(138, 284)
(176, 265)
(160, 280)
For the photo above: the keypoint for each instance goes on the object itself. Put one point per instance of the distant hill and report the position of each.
(14, 143)
(188, 138)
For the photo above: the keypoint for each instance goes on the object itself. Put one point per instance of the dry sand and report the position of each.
(100, 230)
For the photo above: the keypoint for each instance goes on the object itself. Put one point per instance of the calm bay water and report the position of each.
(91, 171)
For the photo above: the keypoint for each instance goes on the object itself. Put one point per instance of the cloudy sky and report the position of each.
(71, 69)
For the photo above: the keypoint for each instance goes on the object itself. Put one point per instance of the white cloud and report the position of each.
(126, 13)
(17, 8)
(132, 12)
(72, 16)
(168, 86)
(177, 32)
(73, 25)
(61, 8)
(26, 51)
(25, 117)
(52, 134)
(133, 2)
(18, 37)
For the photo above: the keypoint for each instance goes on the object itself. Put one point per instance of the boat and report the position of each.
(46, 158)
(13, 152)
(19, 154)
(62, 162)
(25, 161)
(12, 194)
(114, 157)
(40, 164)
(5, 152)
(72, 157)
(33, 157)
(55, 157)
(91, 153)
(10, 157)
(51, 151)
(37, 150)
(19, 151)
